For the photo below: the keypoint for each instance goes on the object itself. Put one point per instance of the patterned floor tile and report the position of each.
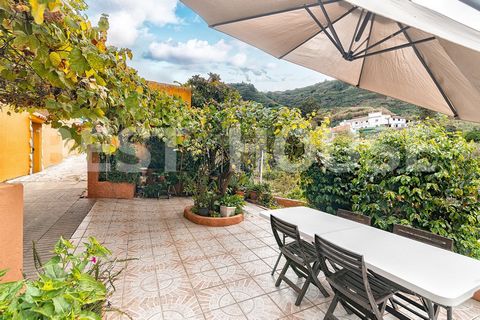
(182, 307)
(312, 313)
(214, 298)
(232, 312)
(267, 282)
(205, 279)
(222, 261)
(256, 267)
(261, 308)
(232, 273)
(245, 289)
(285, 300)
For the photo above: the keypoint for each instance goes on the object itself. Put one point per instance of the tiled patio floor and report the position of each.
(187, 271)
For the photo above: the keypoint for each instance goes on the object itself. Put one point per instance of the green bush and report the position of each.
(328, 182)
(122, 166)
(426, 177)
(70, 286)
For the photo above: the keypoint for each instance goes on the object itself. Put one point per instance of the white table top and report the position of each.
(439, 275)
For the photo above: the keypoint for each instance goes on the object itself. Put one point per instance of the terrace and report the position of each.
(189, 271)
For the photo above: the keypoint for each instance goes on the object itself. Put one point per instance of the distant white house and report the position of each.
(374, 120)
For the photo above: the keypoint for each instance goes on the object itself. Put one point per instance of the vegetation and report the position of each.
(233, 200)
(329, 98)
(424, 176)
(122, 166)
(226, 136)
(54, 59)
(328, 182)
(70, 286)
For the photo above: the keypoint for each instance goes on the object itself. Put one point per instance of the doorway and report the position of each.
(37, 147)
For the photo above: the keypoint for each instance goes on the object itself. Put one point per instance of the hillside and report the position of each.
(334, 98)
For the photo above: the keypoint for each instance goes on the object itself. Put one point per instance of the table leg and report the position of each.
(449, 313)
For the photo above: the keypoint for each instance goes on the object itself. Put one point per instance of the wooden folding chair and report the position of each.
(423, 236)
(300, 256)
(401, 298)
(359, 291)
(357, 217)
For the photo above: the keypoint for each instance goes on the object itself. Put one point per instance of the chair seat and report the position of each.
(308, 250)
(351, 283)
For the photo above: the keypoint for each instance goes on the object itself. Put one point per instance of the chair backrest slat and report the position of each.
(423, 236)
(341, 259)
(338, 256)
(357, 217)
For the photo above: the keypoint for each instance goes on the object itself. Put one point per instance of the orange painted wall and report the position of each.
(177, 91)
(52, 146)
(14, 145)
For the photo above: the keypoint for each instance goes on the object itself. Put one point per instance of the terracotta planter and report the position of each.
(288, 203)
(11, 231)
(476, 296)
(252, 195)
(240, 193)
(105, 189)
(209, 221)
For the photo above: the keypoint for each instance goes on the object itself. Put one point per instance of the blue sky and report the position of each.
(171, 43)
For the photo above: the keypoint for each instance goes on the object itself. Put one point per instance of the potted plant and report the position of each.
(230, 205)
(202, 204)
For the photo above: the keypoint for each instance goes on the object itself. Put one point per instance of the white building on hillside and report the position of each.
(374, 120)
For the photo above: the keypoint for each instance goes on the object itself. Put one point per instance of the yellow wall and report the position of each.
(14, 145)
(52, 146)
(177, 91)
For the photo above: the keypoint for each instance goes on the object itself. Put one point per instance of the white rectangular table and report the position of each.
(440, 276)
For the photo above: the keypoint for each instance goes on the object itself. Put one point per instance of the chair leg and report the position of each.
(303, 292)
(282, 274)
(331, 308)
(276, 264)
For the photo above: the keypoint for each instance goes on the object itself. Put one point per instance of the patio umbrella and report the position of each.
(394, 47)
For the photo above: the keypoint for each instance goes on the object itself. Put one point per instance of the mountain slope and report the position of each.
(329, 98)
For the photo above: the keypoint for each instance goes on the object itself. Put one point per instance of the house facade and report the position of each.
(375, 120)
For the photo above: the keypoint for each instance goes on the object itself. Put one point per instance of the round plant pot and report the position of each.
(227, 211)
(252, 195)
(204, 212)
(240, 193)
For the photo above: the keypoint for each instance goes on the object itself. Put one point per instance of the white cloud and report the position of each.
(127, 17)
(195, 52)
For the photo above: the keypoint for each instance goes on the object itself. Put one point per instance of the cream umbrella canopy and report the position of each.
(394, 47)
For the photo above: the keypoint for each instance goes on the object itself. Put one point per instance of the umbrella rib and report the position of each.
(381, 41)
(408, 44)
(356, 30)
(268, 14)
(368, 40)
(430, 73)
(330, 26)
(323, 29)
(317, 33)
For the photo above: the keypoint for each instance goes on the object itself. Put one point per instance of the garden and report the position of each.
(221, 151)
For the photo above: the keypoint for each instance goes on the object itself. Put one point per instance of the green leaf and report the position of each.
(88, 315)
(78, 62)
(61, 305)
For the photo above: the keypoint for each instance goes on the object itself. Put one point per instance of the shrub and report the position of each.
(122, 166)
(327, 183)
(70, 286)
(426, 177)
(232, 201)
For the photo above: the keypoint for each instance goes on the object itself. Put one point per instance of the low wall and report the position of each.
(105, 189)
(11, 231)
(287, 203)
(209, 221)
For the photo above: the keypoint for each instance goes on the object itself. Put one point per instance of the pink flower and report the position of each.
(94, 260)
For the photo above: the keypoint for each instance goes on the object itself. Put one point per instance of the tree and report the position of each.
(210, 90)
(52, 58)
